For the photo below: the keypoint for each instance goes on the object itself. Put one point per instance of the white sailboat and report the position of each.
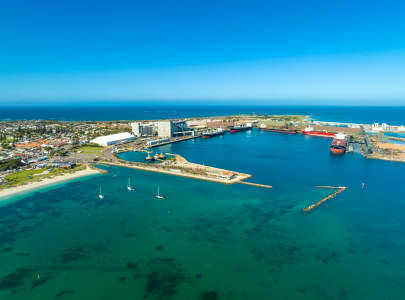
(158, 196)
(129, 187)
(100, 195)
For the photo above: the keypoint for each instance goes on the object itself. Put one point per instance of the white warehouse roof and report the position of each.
(113, 138)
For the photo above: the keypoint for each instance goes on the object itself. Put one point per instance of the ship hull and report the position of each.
(338, 145)
(235, 130)
(337, 151)
(320, 134)
(210, 135)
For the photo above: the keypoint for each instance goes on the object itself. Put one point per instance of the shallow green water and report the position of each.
(211, 241)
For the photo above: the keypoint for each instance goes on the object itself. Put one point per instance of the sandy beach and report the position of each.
(45, 182)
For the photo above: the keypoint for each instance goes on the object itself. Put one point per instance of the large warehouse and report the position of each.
(113, 139)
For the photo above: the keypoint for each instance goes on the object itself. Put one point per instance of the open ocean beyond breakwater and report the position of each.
(352, 114)
(213, 241)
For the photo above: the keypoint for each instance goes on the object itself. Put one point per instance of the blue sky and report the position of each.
(271, 52)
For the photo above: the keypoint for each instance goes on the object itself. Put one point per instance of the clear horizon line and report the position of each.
(180, 103)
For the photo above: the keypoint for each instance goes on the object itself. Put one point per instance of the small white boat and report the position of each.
(158, 196)
(100, 195)
(129, 187)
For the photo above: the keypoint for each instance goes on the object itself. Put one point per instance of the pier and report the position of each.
(330, 187)
(102, 171)
(340, 189)
(175, 140)
(256, 184)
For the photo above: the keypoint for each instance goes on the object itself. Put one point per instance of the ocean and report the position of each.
(363, 114)
(212, 241)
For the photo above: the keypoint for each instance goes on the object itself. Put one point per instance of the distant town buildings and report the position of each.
(380, 128)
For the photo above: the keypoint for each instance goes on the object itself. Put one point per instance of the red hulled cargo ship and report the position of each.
(310, 131)
(338, 145)
(240, 127)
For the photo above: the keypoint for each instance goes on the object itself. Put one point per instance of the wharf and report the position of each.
(340, 189)
(185, 169)
(175, 141)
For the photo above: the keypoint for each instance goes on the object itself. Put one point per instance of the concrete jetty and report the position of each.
(330, 187)
(256, 184)
(102, 171)
(340, 189)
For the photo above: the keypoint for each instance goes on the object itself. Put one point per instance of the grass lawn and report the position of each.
(90, 149)
(25, 176)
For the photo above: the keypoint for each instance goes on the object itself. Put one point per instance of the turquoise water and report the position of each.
(139, 156)
(213, 241)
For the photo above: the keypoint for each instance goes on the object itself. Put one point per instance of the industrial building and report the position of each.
(171, 128)
(162, 129)
(113, 139)
(144, 129)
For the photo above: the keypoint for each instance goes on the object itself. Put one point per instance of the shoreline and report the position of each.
(46, 182)
(382, 157)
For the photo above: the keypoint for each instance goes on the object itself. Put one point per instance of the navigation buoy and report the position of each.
(168, 211)
(38, 277)
(362, 185)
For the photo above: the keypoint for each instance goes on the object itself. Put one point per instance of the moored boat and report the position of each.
(100, 195)
(339, 143)
(149, 157)
(158, 195)
(310, 131)
(240, 127)
(210, 134)
(129, 187)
